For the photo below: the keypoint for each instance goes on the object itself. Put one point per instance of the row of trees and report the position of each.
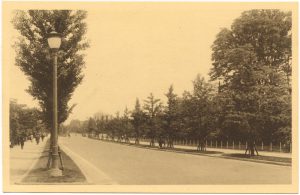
(23, 121)
(251, 64)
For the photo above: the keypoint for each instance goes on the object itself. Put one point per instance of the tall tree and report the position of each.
(33, 55)
(127, 126)
(138, 121)
(92, 128)
(253, 60)
(197, 106)
(171, 116)
(153, 109)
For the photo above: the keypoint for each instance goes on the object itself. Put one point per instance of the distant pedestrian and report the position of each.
(43, 136)
(37, 138)
(22, 141)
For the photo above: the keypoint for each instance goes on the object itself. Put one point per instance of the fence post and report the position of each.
(221, 144)
(271, 146)
(262, 145)
(246, 145)
(232, 144)
(227, 145)
(279, 146)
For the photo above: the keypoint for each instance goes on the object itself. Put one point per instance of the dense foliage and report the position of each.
(23, 121)
(33, 55)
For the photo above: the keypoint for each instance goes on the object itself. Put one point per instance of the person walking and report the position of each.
(37, 138)
(22, 141)
(43, 136)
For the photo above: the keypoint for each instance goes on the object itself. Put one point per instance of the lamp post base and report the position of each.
(55, 172)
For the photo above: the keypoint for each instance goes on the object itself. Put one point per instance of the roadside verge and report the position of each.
(38, 174)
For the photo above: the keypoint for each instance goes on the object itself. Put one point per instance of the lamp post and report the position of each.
(54, 41)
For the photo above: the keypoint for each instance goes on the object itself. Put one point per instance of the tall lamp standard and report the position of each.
(54, 41)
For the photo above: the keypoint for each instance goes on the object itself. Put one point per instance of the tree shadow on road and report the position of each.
(265, 158)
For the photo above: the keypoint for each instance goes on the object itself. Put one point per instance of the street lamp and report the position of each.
(54, 41)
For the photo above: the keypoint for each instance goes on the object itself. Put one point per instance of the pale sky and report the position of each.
(138, 49)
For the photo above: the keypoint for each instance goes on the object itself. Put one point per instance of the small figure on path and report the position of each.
(43, 136)
(251, 148)
(22, 141)
(37, 138)
(161, 142)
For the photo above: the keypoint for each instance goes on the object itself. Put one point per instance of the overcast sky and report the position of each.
(138, 49)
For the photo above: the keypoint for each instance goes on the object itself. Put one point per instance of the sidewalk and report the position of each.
(228, 151)
(21, 161)
(276, 158)
(231, 151)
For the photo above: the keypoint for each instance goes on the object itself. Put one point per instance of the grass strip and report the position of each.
(40, 174)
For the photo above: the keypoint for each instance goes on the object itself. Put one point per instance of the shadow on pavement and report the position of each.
(266, 158)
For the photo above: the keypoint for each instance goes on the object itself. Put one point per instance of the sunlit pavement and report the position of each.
(21, 161)
(124, 164)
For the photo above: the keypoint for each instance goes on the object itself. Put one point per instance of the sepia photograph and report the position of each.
(167, 97)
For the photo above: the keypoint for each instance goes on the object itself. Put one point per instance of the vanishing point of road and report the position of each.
(113, 163)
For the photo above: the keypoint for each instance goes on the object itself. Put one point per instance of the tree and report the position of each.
(126, 125)
(138, 121)
(253, 60)
(74, 126)
(197, 111)
(23, 121)
(171, 116)
(92, 128)
(33, 55)
(153, 108)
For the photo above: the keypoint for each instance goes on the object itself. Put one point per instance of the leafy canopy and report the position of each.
(33, 55)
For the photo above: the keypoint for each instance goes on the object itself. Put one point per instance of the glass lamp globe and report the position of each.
(54, 40)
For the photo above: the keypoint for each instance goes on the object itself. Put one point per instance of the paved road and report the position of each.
(122, 164)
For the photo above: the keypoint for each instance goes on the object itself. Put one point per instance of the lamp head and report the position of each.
(54, 40)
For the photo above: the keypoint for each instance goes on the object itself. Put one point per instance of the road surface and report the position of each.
(113, 163)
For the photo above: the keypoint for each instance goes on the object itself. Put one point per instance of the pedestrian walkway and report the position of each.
(21, 161)
(230, 151)
(278, 158)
